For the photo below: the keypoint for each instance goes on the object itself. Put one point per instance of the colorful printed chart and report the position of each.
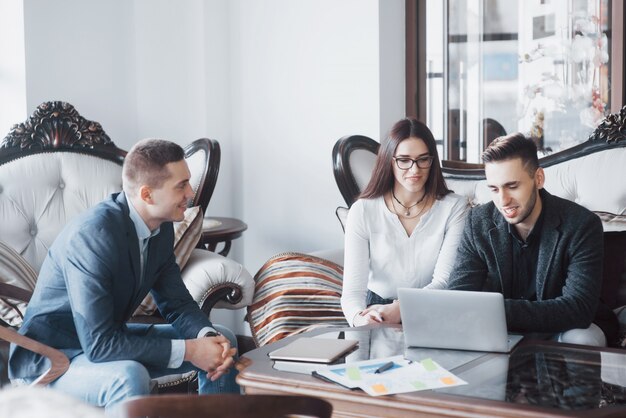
(403, 376)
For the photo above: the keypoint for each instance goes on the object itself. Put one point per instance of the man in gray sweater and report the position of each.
(543, 253)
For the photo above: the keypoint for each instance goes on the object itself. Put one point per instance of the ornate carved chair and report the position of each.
(57, 164)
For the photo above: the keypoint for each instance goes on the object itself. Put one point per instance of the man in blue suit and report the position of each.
(98, 271)
(543, 253)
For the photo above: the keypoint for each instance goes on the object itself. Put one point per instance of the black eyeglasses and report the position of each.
(405, 163)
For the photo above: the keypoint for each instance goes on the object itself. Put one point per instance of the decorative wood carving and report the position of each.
(55, 126)
(612, 128)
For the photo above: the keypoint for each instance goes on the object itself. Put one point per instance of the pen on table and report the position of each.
(384, 367)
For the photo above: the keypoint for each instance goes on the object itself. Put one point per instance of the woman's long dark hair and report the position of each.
(382, 177)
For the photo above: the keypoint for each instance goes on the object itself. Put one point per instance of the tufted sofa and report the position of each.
(57, 164)
(592, 174)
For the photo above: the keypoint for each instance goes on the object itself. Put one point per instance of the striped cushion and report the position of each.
(295, 293)
(15, 270)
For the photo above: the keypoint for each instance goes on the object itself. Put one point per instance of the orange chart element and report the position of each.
(379, 388)
(447, 380)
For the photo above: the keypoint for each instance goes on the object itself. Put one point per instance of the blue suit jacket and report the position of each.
(569, 268)
(89, 286)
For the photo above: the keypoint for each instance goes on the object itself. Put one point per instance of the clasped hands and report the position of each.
(212, 354)
(379, 314)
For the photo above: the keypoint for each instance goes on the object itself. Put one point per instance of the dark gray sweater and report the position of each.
(569, 268)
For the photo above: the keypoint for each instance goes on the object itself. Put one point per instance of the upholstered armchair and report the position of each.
(57, 164)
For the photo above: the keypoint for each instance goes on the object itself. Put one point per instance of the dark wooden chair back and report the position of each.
(227, 405)
(204, 155)
(461, 165)
(492, 129)
(59, 361)
(353, 160)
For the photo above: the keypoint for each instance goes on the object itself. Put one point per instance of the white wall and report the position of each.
(77, 51)
(277, 82)
(308, 72)
(182, 81)
(146, 68)
(12, 65)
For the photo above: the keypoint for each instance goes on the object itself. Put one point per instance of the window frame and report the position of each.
(415, 63)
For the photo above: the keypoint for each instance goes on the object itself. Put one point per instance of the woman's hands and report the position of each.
(211, 354)
(368, 315)
(379, 314)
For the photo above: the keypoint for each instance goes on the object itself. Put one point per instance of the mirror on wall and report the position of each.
(540, 67)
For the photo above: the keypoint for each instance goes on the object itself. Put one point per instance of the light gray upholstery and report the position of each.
(52, 189)
(362, 163)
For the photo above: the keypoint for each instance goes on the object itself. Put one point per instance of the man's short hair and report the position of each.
(145, 164)
(513, 146)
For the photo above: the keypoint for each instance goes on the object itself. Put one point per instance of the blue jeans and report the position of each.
(373, 299)
(106, 384)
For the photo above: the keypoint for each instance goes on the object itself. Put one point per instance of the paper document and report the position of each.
(404, 376)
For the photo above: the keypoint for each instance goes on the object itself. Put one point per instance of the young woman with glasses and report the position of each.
(404, 229)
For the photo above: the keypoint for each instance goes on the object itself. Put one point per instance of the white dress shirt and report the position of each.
(379, 255)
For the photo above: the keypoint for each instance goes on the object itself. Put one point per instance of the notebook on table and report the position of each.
(314, 350)
(455, 319)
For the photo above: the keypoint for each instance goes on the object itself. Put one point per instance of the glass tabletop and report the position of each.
(549, 376)
(545, 375)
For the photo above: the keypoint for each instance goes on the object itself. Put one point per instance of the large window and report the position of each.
(550, 69)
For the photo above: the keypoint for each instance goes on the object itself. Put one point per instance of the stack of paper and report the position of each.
(403, 376)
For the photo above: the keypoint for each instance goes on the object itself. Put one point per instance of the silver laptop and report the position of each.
(455, 319)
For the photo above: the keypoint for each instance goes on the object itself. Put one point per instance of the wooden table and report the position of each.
(257, 376)
(219, 229)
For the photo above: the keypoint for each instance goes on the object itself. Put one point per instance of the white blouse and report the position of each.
(381, 257)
